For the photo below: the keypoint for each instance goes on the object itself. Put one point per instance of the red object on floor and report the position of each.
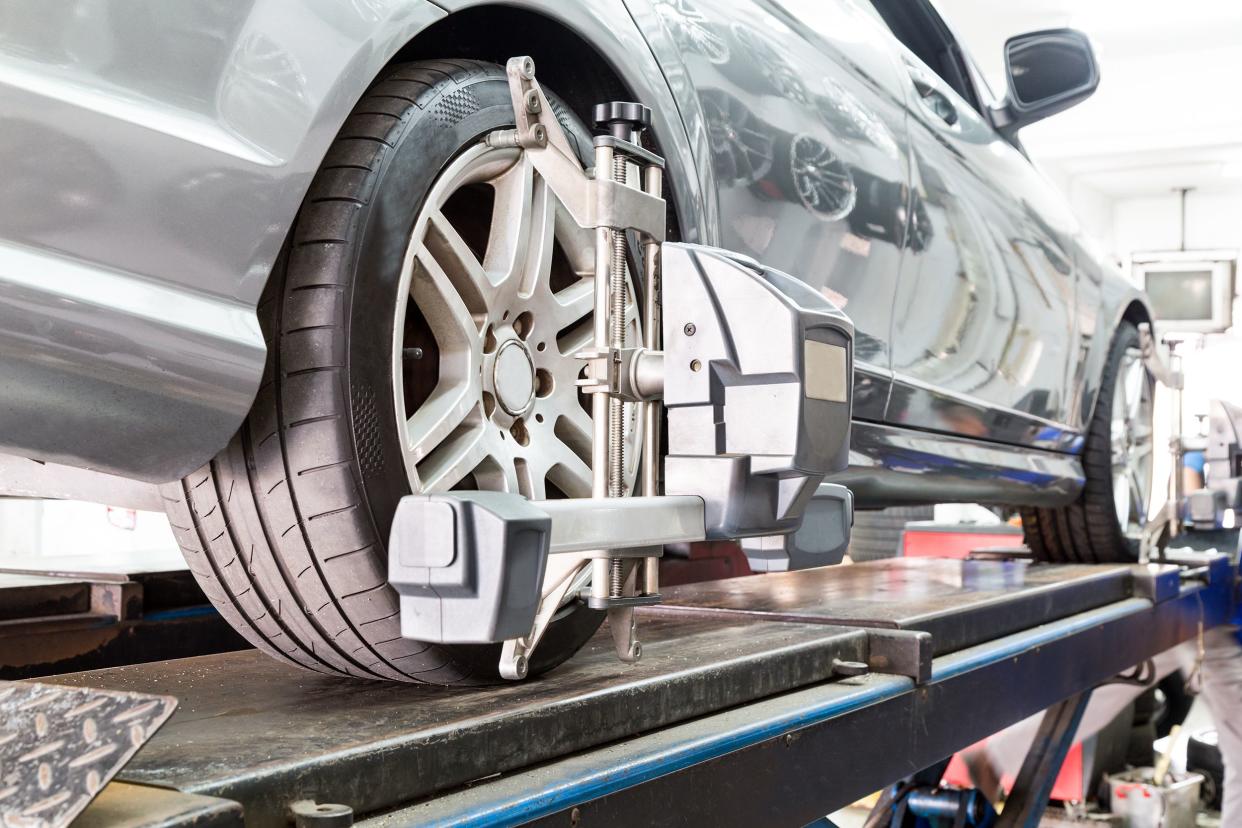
(1069, 787)
(937, 540)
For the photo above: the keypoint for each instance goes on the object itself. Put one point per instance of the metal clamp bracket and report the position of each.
(757, 417)
(1167, 524)
(592, 200)
(632, 374)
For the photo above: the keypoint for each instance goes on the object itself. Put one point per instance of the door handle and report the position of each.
(933, 100)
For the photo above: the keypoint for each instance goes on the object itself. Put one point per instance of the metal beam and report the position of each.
(1028, 797)
(581, 525)
(793, 758)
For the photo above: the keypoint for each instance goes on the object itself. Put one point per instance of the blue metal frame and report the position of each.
(592, 777)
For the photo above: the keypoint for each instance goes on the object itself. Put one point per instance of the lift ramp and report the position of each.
(768, 700)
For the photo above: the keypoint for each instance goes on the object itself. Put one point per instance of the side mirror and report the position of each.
(1047, 71)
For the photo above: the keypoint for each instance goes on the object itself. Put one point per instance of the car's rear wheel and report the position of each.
(421, 326)
(1105, 524)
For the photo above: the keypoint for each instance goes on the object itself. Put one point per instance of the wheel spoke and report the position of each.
(457, 456)
(575, 428)
(519, 249)
(440, 415)
(631, 316)
(577, 243)
(574, 303)
(570, 443)
(576, 339)
(571, 475)
(541, 239)
(531, 479)
(1137, 499)
(498, 472)
(1134, 389)
(1121, 498)
(455, 327)
(461, 267)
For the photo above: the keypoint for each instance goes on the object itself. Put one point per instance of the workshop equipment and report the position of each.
(60, 745)
(1216, 506)
(1143, 801)
(927, 807)
(1167, 523)
(747, 709)
(752, 369)
(65, 613)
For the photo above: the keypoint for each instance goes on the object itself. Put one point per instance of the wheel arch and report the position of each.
(562, 42)
(1137, 312)
(1133, 308)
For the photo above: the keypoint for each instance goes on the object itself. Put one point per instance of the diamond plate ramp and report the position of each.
(60, 745)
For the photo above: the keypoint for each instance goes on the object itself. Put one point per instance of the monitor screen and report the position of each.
(1180, 294)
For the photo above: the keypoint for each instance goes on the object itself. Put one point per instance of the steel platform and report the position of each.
(738, 714)
(959, 603)
(81, 612)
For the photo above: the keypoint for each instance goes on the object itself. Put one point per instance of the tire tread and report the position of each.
(1087, 530)
(289, 482)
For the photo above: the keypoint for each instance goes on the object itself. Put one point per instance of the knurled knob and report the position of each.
(624, 120)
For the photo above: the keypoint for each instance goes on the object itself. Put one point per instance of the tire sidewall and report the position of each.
(430, 141)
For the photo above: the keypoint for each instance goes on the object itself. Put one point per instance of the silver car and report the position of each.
(255, 252)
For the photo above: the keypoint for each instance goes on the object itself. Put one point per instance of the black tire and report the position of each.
(877, 534)
(1203, 756)
(286, 529)
(1087, 530)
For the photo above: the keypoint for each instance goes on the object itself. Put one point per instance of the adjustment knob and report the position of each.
(624, 120)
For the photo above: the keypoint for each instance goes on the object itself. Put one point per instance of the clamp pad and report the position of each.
(821, 540)
(468, 566)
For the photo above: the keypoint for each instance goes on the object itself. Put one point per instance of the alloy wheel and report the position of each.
(497, 297)
(1131, 444)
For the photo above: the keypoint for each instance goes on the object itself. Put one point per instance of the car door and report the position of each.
(798, 113)
(983, 326)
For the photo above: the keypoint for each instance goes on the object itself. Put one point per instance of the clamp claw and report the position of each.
(624, 630)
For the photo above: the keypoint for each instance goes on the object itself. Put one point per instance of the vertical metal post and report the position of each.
(1029, 796)
(617, 296)
(653, 184)
(599, 400)
(1177, 444)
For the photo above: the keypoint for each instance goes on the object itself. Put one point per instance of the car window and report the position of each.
(919, 28)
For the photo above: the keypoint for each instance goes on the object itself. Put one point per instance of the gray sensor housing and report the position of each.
(758, 388)
(821, 540)
(468, 566)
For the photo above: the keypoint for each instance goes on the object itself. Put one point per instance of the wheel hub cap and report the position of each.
(513, 377)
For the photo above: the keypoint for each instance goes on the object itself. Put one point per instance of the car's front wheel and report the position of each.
(421, 326)
(1105, 524)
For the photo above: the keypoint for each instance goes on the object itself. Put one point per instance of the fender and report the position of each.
(161, 160)
(1115, 301)
(609, 29)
